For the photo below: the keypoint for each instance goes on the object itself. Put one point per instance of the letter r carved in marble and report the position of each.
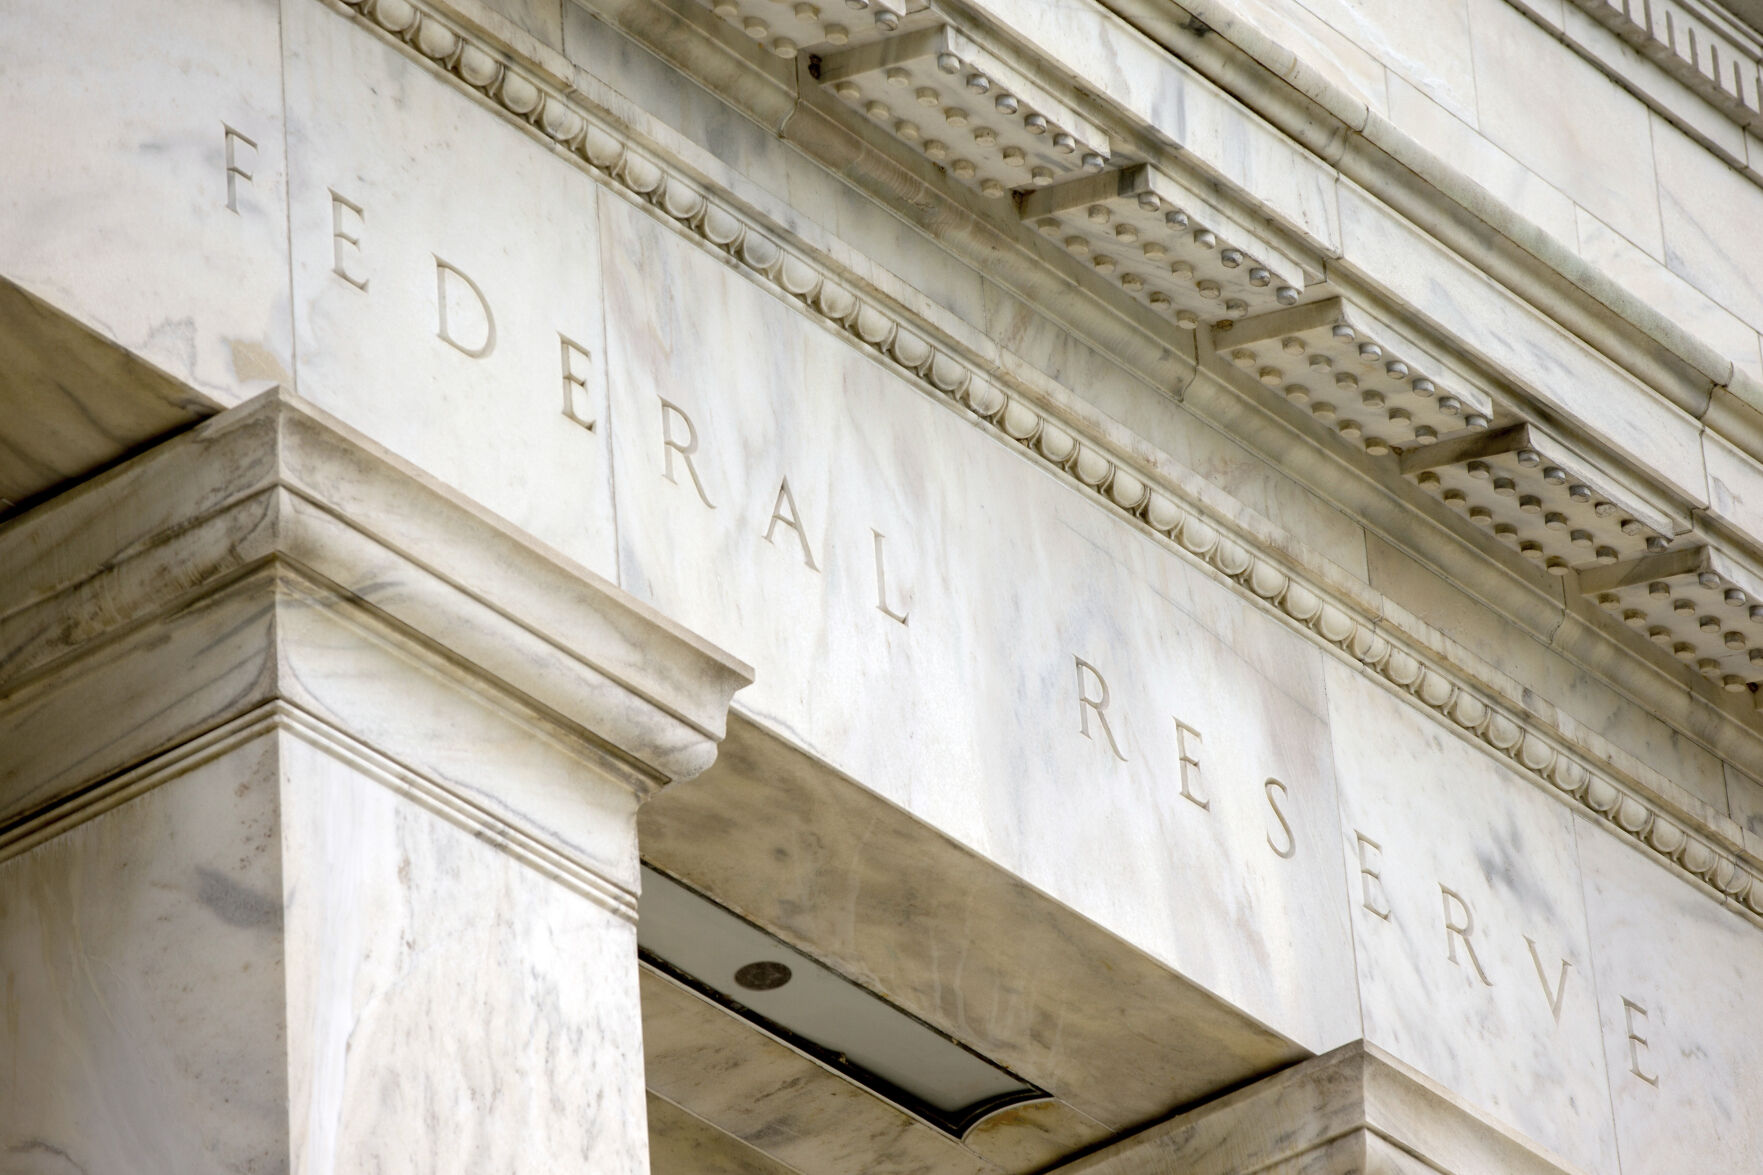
(1459, 926)
(576, 404)
(1098, 705)
(685, 448)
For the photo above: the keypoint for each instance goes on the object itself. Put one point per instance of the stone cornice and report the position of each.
(1713, 54)
(276, 483)
(1480, 703)
(1356, 1109)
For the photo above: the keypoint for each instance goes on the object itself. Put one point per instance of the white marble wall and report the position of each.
(449, 1008)
(1452, 838)
(968, 713)
(281, 958)
(1621, 184)
(127, 121)
(141, 959)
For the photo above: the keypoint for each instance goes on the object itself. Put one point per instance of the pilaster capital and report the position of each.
(272, 514)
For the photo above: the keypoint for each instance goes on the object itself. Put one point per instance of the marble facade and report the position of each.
(1209, 554)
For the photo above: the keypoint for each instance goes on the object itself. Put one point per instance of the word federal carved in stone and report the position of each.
(1554, 759)
(680, 444)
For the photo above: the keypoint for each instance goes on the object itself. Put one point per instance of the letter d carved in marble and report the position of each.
(447, 279)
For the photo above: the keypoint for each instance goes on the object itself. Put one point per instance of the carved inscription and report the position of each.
(671, 444)
(235, 165)
(1187, 747)
(881, 582)
(1636, 1042)
(450, 300)
(574, 362)
(348, 222)
(1459, 925)
(793, 520)
(1371, 895)
(466, 322)
(1271, 787)
(1089, 679)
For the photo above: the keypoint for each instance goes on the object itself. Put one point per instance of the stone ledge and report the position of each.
(1354, 1110)
(276, 483)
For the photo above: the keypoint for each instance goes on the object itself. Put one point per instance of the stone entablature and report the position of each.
(1473, 697)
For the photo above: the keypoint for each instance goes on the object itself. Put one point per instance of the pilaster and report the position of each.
(318, 799)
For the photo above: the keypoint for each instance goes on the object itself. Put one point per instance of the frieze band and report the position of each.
(1031, 419)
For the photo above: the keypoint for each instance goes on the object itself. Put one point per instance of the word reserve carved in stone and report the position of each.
(784, 526)
(788, 27)
(1164, 245)
(1700, 605)
(966, 110)
(1354, 375)
(1534, 495)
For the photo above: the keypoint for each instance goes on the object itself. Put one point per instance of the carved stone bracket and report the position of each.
(1032, 419)
(1164, 244)
(1355, 375)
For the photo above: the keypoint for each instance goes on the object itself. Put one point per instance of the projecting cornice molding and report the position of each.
(1698, 44)
(1351, 619)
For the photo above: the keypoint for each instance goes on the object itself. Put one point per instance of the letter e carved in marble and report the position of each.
(576, 405)
(341, 209)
